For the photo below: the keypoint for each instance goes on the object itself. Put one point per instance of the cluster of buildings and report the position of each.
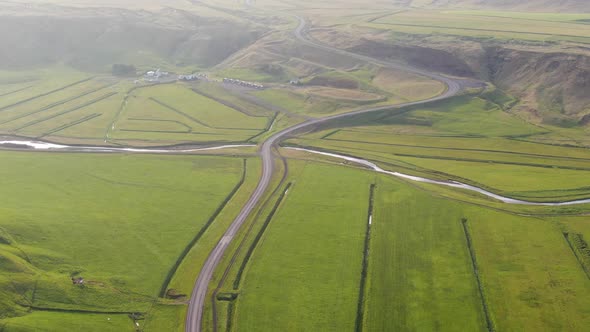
(243, 83)
(192, 77)
(164, 76)
(154, 76)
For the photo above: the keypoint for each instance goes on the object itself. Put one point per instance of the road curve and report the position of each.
(196, 304)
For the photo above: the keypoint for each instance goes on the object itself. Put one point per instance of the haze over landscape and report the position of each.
(278, 165)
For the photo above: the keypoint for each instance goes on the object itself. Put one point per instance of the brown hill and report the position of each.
(551, 82)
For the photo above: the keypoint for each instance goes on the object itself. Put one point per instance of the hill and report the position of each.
(95, 38)
(510, 5)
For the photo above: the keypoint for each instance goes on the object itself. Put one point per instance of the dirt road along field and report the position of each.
(197, 300)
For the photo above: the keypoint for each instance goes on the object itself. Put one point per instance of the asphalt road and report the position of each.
(197, 300)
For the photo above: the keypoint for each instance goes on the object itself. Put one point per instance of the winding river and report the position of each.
(453, 184)
(45, 146)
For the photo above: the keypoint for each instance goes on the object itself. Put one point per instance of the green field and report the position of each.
(420, 274)
(54, 321)
(466, 139)
(89, 109)
(489, 24)
(306, 271)
(331, 245)
(118, 238)
(174, 112)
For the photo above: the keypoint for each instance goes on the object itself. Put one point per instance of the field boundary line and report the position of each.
(202, 231)
(161, 103)
(79, 107)
(327, 138)
(175, 110)
(430, 173)
(230, 314)
(157, 131)
(15, 91)
(574, 168)
(333, 132)
(55, 104)
(71, 124)
(226, 103)
(576, 253)
(485, 30)
(360, 310)
(46, 93)
(258, 237)
(162, 120)
(248, 255)
(486, 311)
(111, 127)
(484, 161)
(82, 311)
(244, 239)
(269, 125)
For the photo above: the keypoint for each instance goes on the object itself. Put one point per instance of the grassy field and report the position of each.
(420, 271)
(57, 321)
(466, 139)
(420, 275)
(304, 274)
(531, 275)
(175, 113)
(72, 107)
(530, 279)
(95, 216)
(331, 246)
(488, 24)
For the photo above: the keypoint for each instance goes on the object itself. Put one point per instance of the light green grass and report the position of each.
(14, 117)
(291, 101)
(420, 270)
(58, 321)
(420, 274)
(532, 278)
(460, 116)
(185, 277)
(207, 110)
(554, 17)
(43, 80)
(189, 117)
(167, 318)
(305, 273)
(485, 25)
(120, 221)
(469, 140)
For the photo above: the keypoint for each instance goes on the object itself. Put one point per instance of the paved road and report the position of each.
(197, 300)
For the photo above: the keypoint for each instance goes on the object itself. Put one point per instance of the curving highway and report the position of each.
(197, 300)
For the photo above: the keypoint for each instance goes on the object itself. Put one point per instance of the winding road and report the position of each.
(196, 305)
(197, 300)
